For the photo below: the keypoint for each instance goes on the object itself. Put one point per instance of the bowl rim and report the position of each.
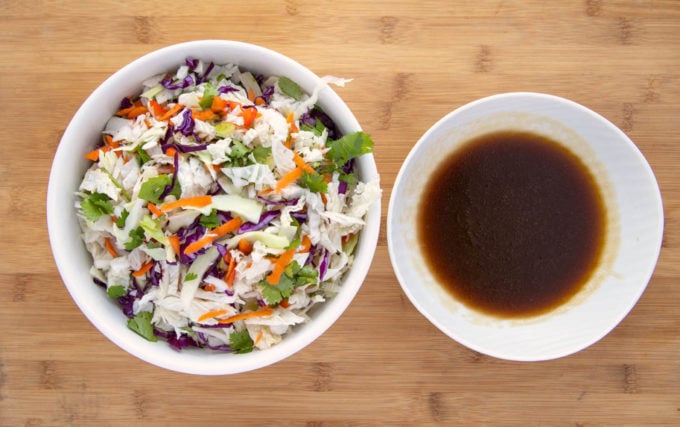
(446, 329)
(187, 361)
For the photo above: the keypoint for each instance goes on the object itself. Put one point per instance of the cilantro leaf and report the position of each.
(349, 147)
(142, 155)
(153, 188)
(314, 182)
(238, 150)
(189, 277)
(240, 342)
(116, 291)
(141, 324)
(273, 294)
(349, 178)
(261, 154)
(210, 221)
(120, 222)
(136, 238)
(290, 88)
(305, 275)
(95, 205)
(209, 92)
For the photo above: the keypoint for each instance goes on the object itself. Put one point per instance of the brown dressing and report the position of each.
(512, 224)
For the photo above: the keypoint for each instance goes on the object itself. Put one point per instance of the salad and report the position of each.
(221, 206)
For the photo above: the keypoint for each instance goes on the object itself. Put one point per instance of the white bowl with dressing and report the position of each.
(634, 221)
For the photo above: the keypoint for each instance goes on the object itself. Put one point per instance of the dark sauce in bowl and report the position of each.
(512, 224)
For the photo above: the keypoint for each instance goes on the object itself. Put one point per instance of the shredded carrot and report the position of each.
(213, 235)
(174, 243)
(93, 155)
(305, 244)
(258, 338)
(227, 258)
(231, 272)
(288, 179)
(300, 162)
(292, 127)
(171, 112)
(245, 246)
(251, 95)
(124, 111)
(109, 247)
(193, 202)
(136, 111)
(284, 303)
(218, 104)
(267, 311)
(249, 115)
(212, 314)
(209, 287)
(170, 152)
(259, 101)
(232, 104)
(154, 210)
(156, 109)
(202, 115)
(109, 144)
(143, 269)
(280, 266)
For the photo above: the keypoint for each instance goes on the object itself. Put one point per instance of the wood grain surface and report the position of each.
(382, 362)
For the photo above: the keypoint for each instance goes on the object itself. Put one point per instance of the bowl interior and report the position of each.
(634, 228)
(69, 165)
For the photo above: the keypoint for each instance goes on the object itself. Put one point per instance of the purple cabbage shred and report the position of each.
(186, 82)
(267, 94)
(281, 202)
(127, 304)
(168, 188)
(226, 89)
(191, 63)
(300, 216)
(324, 265)
(265, 219)
(187, 126)
(125, 103)
(207, 72)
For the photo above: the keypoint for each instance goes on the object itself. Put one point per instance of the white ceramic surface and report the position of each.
(635, 228)
(68, 168)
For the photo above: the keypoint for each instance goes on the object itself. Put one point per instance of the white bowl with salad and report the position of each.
(213, 207)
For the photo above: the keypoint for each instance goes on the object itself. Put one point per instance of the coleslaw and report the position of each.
(221, 206)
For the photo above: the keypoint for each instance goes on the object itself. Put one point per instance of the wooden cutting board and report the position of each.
(382, 362)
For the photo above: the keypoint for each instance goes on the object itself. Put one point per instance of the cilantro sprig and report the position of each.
(141, 324)
(152, 189)
(293, 277)
(209, 92)
(95, 205)
(290, 88)
(314, 182)
(349, 147)
(240, 342)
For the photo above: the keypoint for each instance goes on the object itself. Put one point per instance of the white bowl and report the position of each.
(69, 165)
(635, 227)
